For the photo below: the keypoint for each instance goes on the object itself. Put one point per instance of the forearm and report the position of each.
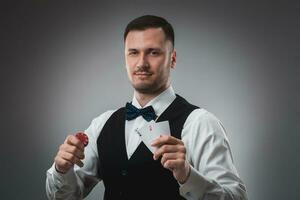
(213, 174)
(200, 187)
(62, 186)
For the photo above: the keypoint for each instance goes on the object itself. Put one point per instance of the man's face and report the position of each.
(149, 57)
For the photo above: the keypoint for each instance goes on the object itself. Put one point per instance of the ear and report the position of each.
(173, 59)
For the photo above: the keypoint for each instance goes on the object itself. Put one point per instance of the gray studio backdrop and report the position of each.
(62, 64)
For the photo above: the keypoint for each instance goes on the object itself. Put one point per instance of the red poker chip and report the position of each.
(83, 138)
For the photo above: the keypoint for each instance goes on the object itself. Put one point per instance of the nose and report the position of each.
(142, 62)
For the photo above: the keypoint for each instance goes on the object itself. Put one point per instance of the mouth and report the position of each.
(142, 74)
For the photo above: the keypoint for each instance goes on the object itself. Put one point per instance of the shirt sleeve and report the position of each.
(78, 182)
(213, 175)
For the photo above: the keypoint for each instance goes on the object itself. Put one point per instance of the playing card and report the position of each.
(152, 130)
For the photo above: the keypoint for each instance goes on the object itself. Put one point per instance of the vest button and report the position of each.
(124, 172)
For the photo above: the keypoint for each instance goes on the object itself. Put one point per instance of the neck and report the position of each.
(144, 98)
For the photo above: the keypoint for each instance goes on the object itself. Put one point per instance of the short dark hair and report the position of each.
(151, 21)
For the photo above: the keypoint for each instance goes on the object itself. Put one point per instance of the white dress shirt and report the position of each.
(213, 175)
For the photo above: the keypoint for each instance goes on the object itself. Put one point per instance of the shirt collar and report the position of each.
(160, 102)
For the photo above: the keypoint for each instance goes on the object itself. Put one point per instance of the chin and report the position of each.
(144, 88)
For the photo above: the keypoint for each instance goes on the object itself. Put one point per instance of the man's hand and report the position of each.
(173, 156)
(70, 152)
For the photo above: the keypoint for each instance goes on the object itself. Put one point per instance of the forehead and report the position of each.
(152, 37)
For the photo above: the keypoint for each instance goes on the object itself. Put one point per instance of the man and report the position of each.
(194, 162)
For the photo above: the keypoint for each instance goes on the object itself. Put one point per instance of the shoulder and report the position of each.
(201, 115)
(97, 123)
(202, 121)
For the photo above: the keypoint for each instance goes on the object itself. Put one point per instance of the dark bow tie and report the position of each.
(133, 112)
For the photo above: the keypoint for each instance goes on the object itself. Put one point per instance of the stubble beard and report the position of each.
(146, 88)
(151, 88)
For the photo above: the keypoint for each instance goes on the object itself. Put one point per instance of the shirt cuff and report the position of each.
(62, 178)
(195, 185)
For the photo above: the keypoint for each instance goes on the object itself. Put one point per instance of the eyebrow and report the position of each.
(132, 49)
(149, 49)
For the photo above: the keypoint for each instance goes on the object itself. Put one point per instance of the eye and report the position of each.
(154, 53)
(133, 53)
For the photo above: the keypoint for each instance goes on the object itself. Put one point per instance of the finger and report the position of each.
(70, 157)
(62, 165)
(174, 164)
(171, 156)
(72, 140)
(73, 150)
(166, 139)
(168, 149)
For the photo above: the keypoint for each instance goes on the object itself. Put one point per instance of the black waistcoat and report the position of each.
(140, 177)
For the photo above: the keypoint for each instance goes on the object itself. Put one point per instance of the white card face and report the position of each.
(150, 131)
